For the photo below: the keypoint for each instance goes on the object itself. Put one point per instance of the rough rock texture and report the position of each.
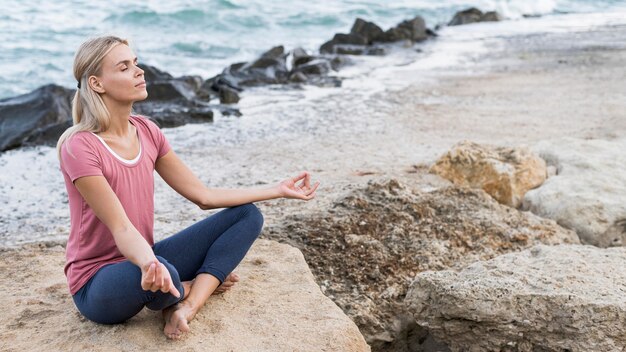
(366, 249)
(588, 191)
(275, 307)
(547, 298)
(505, 173)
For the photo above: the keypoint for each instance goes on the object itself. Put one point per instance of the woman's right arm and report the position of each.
(104, 202)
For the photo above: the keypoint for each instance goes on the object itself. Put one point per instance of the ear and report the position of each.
(95, 84)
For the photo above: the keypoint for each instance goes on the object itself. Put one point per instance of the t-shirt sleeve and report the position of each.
(162, 144)
(83, 159)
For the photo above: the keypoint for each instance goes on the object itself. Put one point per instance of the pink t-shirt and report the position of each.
(90, 245)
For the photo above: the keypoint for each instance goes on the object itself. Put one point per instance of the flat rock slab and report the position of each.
(588, 190)
(546, 298)
(276, 306)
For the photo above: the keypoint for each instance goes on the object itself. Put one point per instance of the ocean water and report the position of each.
(38, 39)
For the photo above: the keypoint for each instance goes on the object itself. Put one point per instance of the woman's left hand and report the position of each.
(289, 189)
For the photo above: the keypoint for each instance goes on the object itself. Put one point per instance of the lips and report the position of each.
(140, 84)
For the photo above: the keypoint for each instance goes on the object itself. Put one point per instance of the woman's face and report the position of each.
(121, 79)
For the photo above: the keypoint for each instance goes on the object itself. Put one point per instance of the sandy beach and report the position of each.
(516, 91)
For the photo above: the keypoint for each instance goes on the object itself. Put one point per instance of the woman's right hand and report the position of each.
(155, 277)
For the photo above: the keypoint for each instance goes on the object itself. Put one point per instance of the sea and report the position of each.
(38, 39)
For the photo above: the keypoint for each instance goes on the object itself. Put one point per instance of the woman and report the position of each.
(108, 158)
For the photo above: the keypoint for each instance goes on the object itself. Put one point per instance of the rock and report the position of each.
(276, 306)
(413, 30)
(315, 67)
(367, 250)
(340, 38)
(300, 57)
(368, 30)
(547, 298)
(169, 90)
(228, 95)
(35, 117)
(473, 15)
(587, 193)
(175, 114)
(153, 74)
(505, 173)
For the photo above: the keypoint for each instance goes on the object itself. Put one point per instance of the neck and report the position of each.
(120, 114)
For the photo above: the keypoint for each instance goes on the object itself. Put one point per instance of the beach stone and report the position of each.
(413, 30)
(473, 15)
(299, 57)
(504, 173)
(546, 298)
(340, 38)
(35, 117)
(228, 95)
(587, 192)
(315, 67)
(367, 246)
(368, 30)
(276, 306)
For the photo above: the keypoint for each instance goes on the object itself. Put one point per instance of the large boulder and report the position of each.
(547, 298)
(588, 190)
(366, 248)
(505, 173)
(36, 117)
(275, 307)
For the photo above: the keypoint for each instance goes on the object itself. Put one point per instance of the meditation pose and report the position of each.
(108, 158)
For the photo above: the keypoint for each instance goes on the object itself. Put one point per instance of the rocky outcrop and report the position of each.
(547, 298)
(276, 306)
(504, 173)
(473, 15)
(587, 192)
(38, 117)
(366, 249)
(365, 36)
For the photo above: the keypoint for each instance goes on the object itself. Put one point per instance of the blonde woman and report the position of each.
(107, 159)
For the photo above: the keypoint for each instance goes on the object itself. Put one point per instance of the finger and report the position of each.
(299, 177)
(148, 278)
(307, 181)
(158, 277)
(168, 286)
(310, 196)
(313, 189)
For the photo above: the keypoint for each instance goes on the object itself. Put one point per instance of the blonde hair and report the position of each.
(89, 113)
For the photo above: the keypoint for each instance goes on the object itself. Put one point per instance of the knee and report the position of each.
(252, 212)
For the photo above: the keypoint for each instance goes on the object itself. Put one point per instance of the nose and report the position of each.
(139, 71)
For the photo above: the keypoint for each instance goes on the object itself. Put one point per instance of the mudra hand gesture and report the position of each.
(155, 277)
(289, 189)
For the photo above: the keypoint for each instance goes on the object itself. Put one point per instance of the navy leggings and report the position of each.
(215, 245)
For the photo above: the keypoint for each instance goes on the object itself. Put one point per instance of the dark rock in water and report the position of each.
(491, 16)
(473, 15)
(413, 30)
(228, 95)
(315, 67)
(172, 114)
(270, 68)
(33, 118)
(338, 62)
(152, 74)
(340, 38)
(298, 77)
(364, 34)
(169, 90)
(300, 57)
(368, 30)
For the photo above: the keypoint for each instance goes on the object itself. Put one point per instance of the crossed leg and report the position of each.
(204, 255)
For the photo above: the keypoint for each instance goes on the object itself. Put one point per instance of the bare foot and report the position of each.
(230, 281)
(177, 318)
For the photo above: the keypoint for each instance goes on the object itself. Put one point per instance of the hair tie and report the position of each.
(78, 85)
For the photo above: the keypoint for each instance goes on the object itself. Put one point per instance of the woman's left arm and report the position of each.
(176, 174)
